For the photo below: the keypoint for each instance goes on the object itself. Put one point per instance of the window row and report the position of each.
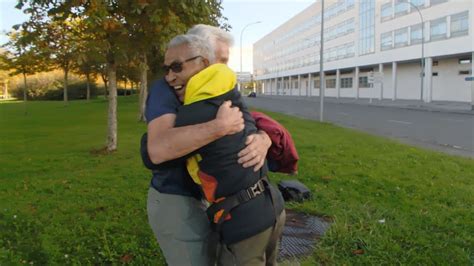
(329, 12)
(338, 8)
(339, 52)
(392, 9)
(438, 30)
(339, 30)
(312, 41)
(300, 45)
(345, 83)
(334, 53)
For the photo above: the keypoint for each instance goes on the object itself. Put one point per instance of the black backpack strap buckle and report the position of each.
(256, 189)
(233, 201)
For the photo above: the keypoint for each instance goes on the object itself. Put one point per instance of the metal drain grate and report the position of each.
(300, 234)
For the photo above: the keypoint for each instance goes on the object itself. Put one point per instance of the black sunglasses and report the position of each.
(177, 67)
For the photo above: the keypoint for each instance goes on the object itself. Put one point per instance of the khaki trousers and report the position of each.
(260, 249)
(181, 227)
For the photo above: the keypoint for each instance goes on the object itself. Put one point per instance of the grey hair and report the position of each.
(212, 33)
(197, 44)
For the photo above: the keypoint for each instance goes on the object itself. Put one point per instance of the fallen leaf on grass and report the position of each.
(327, 178)
(126, 258)
(358, 252)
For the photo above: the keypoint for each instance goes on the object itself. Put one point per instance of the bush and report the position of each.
(53, 90)
(122, 91)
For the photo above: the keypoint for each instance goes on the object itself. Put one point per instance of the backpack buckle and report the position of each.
(256, 189)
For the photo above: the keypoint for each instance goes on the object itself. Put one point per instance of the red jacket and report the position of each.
(282, 155)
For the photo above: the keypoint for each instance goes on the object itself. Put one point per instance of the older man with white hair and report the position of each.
(175, 211)
(220, 40)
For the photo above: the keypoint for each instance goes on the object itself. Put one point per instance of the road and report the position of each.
(451, 133)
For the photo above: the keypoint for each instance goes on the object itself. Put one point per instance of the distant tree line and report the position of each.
(114, 39)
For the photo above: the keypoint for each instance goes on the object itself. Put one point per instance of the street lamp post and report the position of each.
(241, 33)
(277, 71)
(321, 73)
(472, 81)
(422, 73)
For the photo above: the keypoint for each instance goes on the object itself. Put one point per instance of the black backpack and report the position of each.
(294, 190)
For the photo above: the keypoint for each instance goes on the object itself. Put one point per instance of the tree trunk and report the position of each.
(65, 85)
(105, 80)
(125, 87)
(25, 89)
(143, 88)
(5, 90)
(88, 83)
(112, 113)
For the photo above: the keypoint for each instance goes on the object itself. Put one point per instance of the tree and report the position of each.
(152, 24)
(90, 60)
(21, 57)
(125, 30)
(62, 41)
(129, 72)
(87, 65)
(3, 75)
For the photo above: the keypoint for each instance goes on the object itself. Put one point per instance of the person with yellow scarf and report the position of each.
(246, 211)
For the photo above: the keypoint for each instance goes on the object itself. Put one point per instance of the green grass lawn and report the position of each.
(62, 204)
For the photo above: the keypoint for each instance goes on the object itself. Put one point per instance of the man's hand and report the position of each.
(254, 154)
(229, 119)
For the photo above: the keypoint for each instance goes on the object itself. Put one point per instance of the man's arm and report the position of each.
(165, 142)
(255, 152)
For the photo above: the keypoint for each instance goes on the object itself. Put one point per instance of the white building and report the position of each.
(379, 38)
(244, 76)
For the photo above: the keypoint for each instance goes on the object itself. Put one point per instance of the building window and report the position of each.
(460, 24)
(386, 41)
(401, 7)
(386, 11)
(341, 52)
(435, 2)
(334, 53)
(366, 27)
(438, 29)
(364, 82)
(464, 72)
(416, 34)
(418, 3)
(346, 83)
(464, 61)
(401, 37)
(330, 83)
(317, 84)
(349, 4)
(435, 74)
(350, 50)
(339, 30)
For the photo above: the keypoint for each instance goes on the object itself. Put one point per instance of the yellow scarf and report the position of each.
(213, 81)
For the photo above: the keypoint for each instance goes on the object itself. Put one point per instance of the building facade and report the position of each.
(372, 49)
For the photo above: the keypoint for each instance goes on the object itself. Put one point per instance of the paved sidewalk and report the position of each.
(449, 107)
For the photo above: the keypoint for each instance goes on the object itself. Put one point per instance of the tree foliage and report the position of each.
(21, 56)
(86, 35)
